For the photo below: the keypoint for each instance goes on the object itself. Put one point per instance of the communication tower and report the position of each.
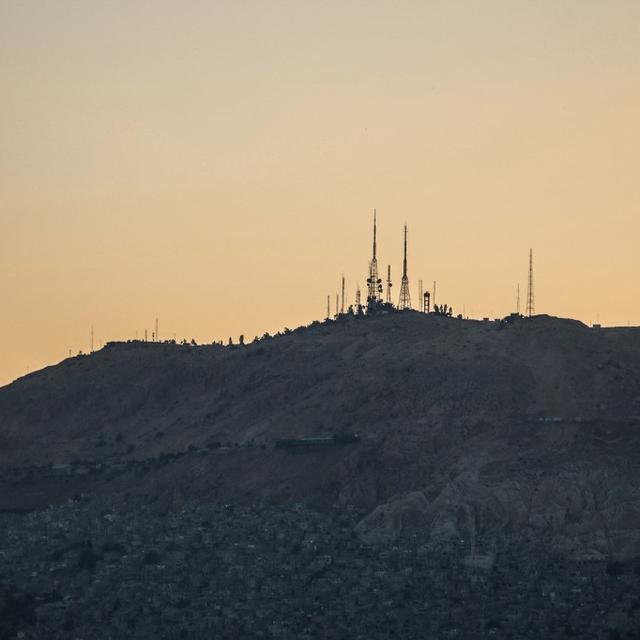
(405, 297)
(374, 284)
(389, 284)
(530, 297)
(342, 301)
(358, 296)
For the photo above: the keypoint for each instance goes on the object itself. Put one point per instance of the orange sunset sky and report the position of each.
(216, 164)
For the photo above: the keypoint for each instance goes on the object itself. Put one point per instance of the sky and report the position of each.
(216, 164)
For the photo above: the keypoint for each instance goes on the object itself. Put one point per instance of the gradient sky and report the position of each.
(216, 163)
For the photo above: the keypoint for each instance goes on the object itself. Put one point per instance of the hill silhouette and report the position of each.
(466, 429)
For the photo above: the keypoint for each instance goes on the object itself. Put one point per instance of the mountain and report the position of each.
(465, 430)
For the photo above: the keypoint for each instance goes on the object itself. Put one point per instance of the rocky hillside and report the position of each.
(467, 430)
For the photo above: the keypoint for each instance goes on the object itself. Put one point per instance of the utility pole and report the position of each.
(342, 300)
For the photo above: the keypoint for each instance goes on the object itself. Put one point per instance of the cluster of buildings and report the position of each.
(204, 570)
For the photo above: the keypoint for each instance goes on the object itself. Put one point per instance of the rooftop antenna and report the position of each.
(518, 300)
(374, 284)
(530, 303)
(342, 301)
(389, 284)
(405, 297)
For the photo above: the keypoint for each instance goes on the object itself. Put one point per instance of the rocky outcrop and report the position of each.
(583, 513)
(387, 521)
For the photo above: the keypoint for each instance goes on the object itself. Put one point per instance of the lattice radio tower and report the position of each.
(374, 284)
(530, 298)
(405, 297)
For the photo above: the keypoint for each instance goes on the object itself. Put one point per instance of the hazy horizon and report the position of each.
(216, 165)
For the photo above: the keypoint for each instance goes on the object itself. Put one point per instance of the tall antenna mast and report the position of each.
(518, 300)
(157, 337)
(405, 297)
(328, 307)
(342, 301)
(375, 227)
(389, 284)
(374, 284)
(433, 299)
(530, 298)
